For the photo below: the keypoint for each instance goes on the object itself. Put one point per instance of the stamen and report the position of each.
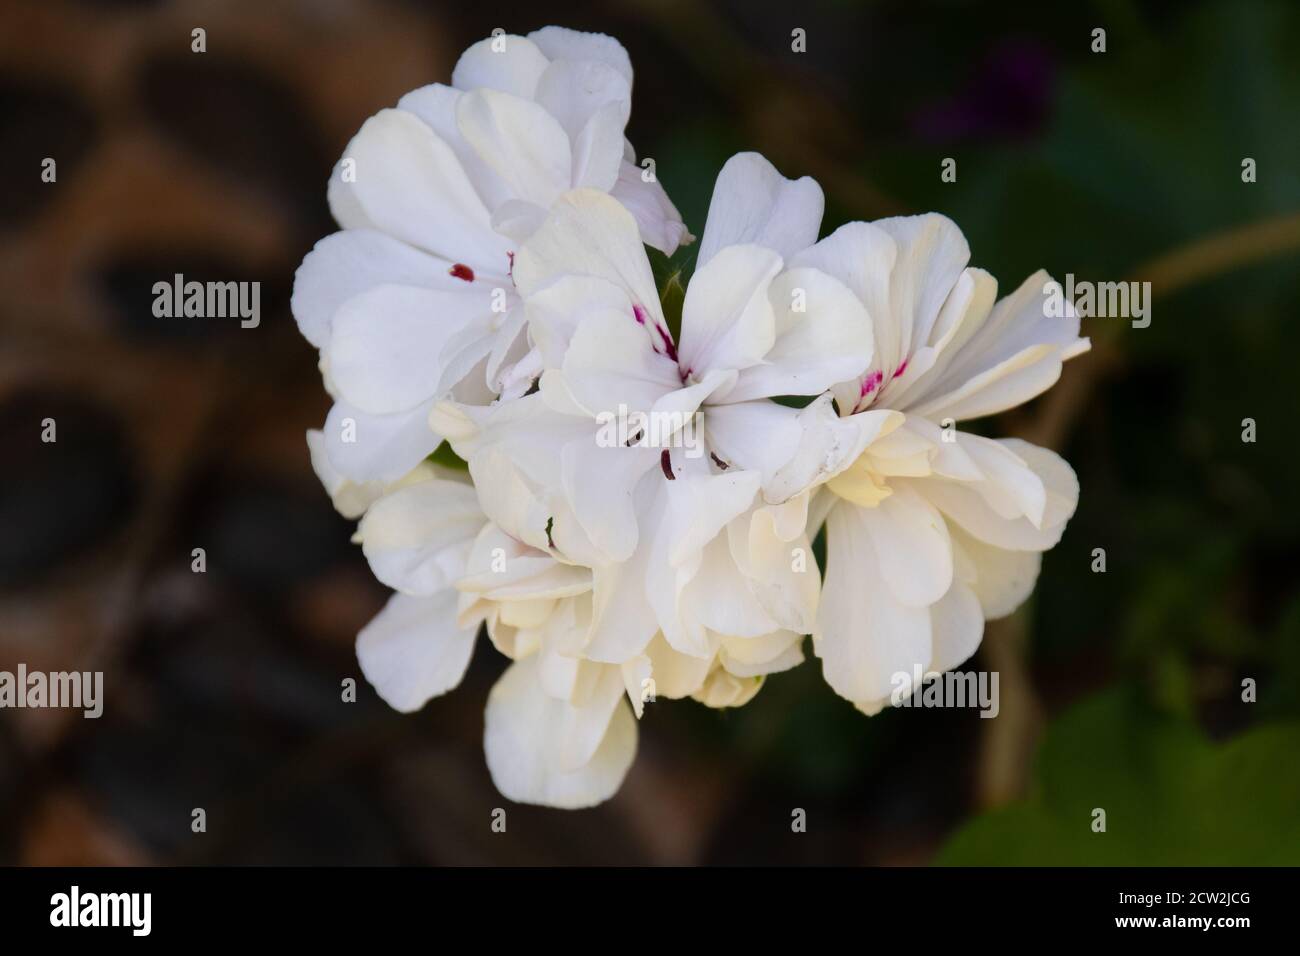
(719, 462)
(462, 271)
(666, 463)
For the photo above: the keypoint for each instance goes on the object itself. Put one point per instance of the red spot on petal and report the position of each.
(462, 271)
(666, 463)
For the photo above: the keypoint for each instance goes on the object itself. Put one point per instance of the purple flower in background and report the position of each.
(1008, 97)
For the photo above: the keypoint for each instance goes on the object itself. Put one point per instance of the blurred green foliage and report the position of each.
(1170, 796)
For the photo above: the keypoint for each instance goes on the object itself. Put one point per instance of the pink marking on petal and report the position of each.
(901, 369)
(871, 383)
(638, 313)
(669, 347)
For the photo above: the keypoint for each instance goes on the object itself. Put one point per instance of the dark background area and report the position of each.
(1120, 690)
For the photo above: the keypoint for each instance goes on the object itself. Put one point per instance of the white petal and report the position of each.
(1013, 356)
(591, 101)
(1003, 579)
(964, 503)
(413, 651)
(757, 656)
(344, 204)
(520, 140)
(967, 307)
(436, 104)
(598, 149)
(826, 343)
(697, 508)
(561, 43)
(828, 445)
(347, 263)
(865, 637)
(760, 435)
(502, 568)
(861, 256)
(753, 203)
(418, 538)
(387, 351)
(1058, 478)
(724, 689)
(1011, 382)
(524, 743)
(675, 674)
(932, 252)
(601, 485)
(721, 599)
(588, 233)
(622, 619)
(509, 63)
(351, 499)
(658, 219)
(1009, 485)
(610, 362)
(364, 447)
(912, 546)
(518, 219)
(555, 312)
(780, 569)
(727, 318)
(957, 626)
(585, 723)
(948, 458)
(411, 185)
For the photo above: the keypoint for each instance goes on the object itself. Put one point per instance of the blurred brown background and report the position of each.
(223, 689)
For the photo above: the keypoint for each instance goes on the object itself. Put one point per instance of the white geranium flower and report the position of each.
(930, 530)
(638, 525)
(679, 535)
(557, 730)
(414, 301)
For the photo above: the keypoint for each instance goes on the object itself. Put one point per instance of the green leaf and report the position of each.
(1171, 797)
(444, 456)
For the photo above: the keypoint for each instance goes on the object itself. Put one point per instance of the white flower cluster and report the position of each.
(490, 288)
